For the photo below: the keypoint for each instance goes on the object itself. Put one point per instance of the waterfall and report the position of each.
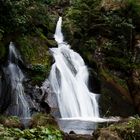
(69, 81)
(15, 90)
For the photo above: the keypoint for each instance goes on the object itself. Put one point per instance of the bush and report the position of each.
(38, 133)
(22, 15)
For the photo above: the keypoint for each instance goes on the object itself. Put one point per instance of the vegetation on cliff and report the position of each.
(107, 33)
(127, 130)
(30, 25)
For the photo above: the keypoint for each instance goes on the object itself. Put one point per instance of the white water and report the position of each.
(19, 105)
(69, 80)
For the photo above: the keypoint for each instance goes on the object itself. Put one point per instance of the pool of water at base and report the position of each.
(77, 126)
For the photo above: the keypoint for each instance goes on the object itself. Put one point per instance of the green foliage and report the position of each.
(45, 129)
(35, 53)
(126, 129)
(85, 11)
(34, 50)
(10, 121)
(59, 2)
(90, 25)
(133, 10)
(91, 44)
(39, 68)
(129, 130)
(40, 72)
(38, 79)
(82, 18)
(38, 133)
(120, 42)
(134, 5)
(22, 15)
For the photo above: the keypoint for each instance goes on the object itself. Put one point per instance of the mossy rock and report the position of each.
(39, 73)
(41, 119)
(114, 94)
(34, 50)
(11, 122)
(128, 130)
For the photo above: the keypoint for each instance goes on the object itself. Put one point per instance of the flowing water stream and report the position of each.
(14, 78)
(69, 80)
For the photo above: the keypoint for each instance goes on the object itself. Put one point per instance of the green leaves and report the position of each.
(129, 130)
(22, 15)
(39, 68)
(39, 133)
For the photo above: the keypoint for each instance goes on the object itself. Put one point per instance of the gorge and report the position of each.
(53, 86)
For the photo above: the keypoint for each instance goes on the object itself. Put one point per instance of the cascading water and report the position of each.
(14, 78)
(69, 81)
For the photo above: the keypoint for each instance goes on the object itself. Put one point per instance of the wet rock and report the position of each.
(77, 137)
(134, 78)
(49, 97)
(71, 132)
(36, 98)
(108, 135)
(115, 98)
(134, 87)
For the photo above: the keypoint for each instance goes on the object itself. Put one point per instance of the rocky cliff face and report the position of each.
(32, 33)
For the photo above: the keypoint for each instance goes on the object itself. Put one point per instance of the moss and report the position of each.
(34, 49)
(109, 76)
(116, 82)
(126, 130)
(11, 122)
(123, 64)
(104, 74)
(38, 73)
(35, 52)
(115, 93)
(41, 119)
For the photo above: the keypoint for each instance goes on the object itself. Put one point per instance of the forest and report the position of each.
(106, 35)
